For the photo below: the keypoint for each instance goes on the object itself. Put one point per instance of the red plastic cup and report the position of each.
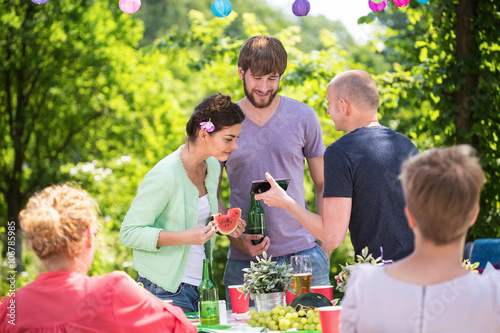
(289, 297)
(330, 318)
(326, 291)
(238, 304)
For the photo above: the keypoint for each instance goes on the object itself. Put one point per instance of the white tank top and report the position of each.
(194, 266)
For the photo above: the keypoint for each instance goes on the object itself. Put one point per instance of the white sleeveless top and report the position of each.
(194, 266)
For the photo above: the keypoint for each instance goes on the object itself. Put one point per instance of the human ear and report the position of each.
(89, 241)
(203, 135)
(411, 220)
(474, 217)
(241, 73)
(344, 105)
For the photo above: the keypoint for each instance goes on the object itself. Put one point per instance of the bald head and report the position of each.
(357, 87)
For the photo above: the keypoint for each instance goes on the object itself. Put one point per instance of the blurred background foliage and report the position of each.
(94, 96)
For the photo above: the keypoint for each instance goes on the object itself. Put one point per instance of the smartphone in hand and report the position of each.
(261, 186)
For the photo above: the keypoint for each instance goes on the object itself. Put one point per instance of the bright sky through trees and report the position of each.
(346, 11)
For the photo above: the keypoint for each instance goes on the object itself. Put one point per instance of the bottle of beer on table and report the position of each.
(209, 296)
(256, 222)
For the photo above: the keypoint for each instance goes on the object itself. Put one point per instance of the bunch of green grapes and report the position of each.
(285, 317)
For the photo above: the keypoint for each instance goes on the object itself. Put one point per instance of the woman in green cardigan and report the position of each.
(166, 223)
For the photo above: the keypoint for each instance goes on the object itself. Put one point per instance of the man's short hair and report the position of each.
(442, 188)
(263, 55)
(358, 87)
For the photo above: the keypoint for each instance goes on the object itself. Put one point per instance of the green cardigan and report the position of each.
(166, 200)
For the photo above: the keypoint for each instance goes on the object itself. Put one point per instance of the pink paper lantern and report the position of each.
(301, 7)
(377, 7)
(401, 3)
(129, 6)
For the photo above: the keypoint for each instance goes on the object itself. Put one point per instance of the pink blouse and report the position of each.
(65, 301)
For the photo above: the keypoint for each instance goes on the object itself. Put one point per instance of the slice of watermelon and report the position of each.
(229, 222)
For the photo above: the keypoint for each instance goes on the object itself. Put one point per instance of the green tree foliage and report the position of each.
(162, 16)
(54, 87)
(75, 89)
(85, 99)
(93, 108)
(170, 17)
(448, 62)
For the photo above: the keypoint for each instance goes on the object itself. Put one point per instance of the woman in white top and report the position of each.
(429, 291)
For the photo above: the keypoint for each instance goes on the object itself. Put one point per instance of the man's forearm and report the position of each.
(310, 221)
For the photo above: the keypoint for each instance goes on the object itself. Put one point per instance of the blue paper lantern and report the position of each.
(301, 7)
(222, 8)
(40, 2)
(423, 1)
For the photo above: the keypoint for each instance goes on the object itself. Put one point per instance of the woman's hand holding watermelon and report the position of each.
(200, 235)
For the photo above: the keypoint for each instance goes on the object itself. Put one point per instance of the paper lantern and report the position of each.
(129, 6)
(401, 3)
(40, 2)
(377, 7)
(423, 1)
(222, 8)
(377, 1)
(301, 7)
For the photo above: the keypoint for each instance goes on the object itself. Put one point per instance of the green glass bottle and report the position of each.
(256, 221)
(209, 296)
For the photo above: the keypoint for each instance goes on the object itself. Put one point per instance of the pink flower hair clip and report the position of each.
(208, 125)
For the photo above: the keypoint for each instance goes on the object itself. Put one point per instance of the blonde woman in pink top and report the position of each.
(60, 223)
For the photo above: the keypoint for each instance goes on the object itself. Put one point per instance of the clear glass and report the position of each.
(302, 273)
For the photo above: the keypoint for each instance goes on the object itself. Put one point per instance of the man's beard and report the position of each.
(252, 100)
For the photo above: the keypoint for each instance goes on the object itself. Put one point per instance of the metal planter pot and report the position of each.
(267, 302)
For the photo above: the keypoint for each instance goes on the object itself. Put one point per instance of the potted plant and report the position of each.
(361, 259)
(345, 273)
(267, 282)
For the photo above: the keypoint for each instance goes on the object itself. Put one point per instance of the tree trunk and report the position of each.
(14, 203)
(466, 54)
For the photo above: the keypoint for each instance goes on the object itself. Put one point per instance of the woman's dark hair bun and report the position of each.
(218, 109)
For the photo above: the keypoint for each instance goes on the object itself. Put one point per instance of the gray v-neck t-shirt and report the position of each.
(279, 147)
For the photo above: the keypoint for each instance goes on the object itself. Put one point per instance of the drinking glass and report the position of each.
(302, 273)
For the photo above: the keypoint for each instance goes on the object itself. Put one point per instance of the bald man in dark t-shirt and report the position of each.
(362, 191)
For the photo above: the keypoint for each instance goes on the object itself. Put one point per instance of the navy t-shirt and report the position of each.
(364, 165)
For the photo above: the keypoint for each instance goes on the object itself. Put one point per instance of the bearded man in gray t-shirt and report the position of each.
(277, 135)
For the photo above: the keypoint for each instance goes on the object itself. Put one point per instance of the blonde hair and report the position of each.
(442, 188)
(56, 218)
